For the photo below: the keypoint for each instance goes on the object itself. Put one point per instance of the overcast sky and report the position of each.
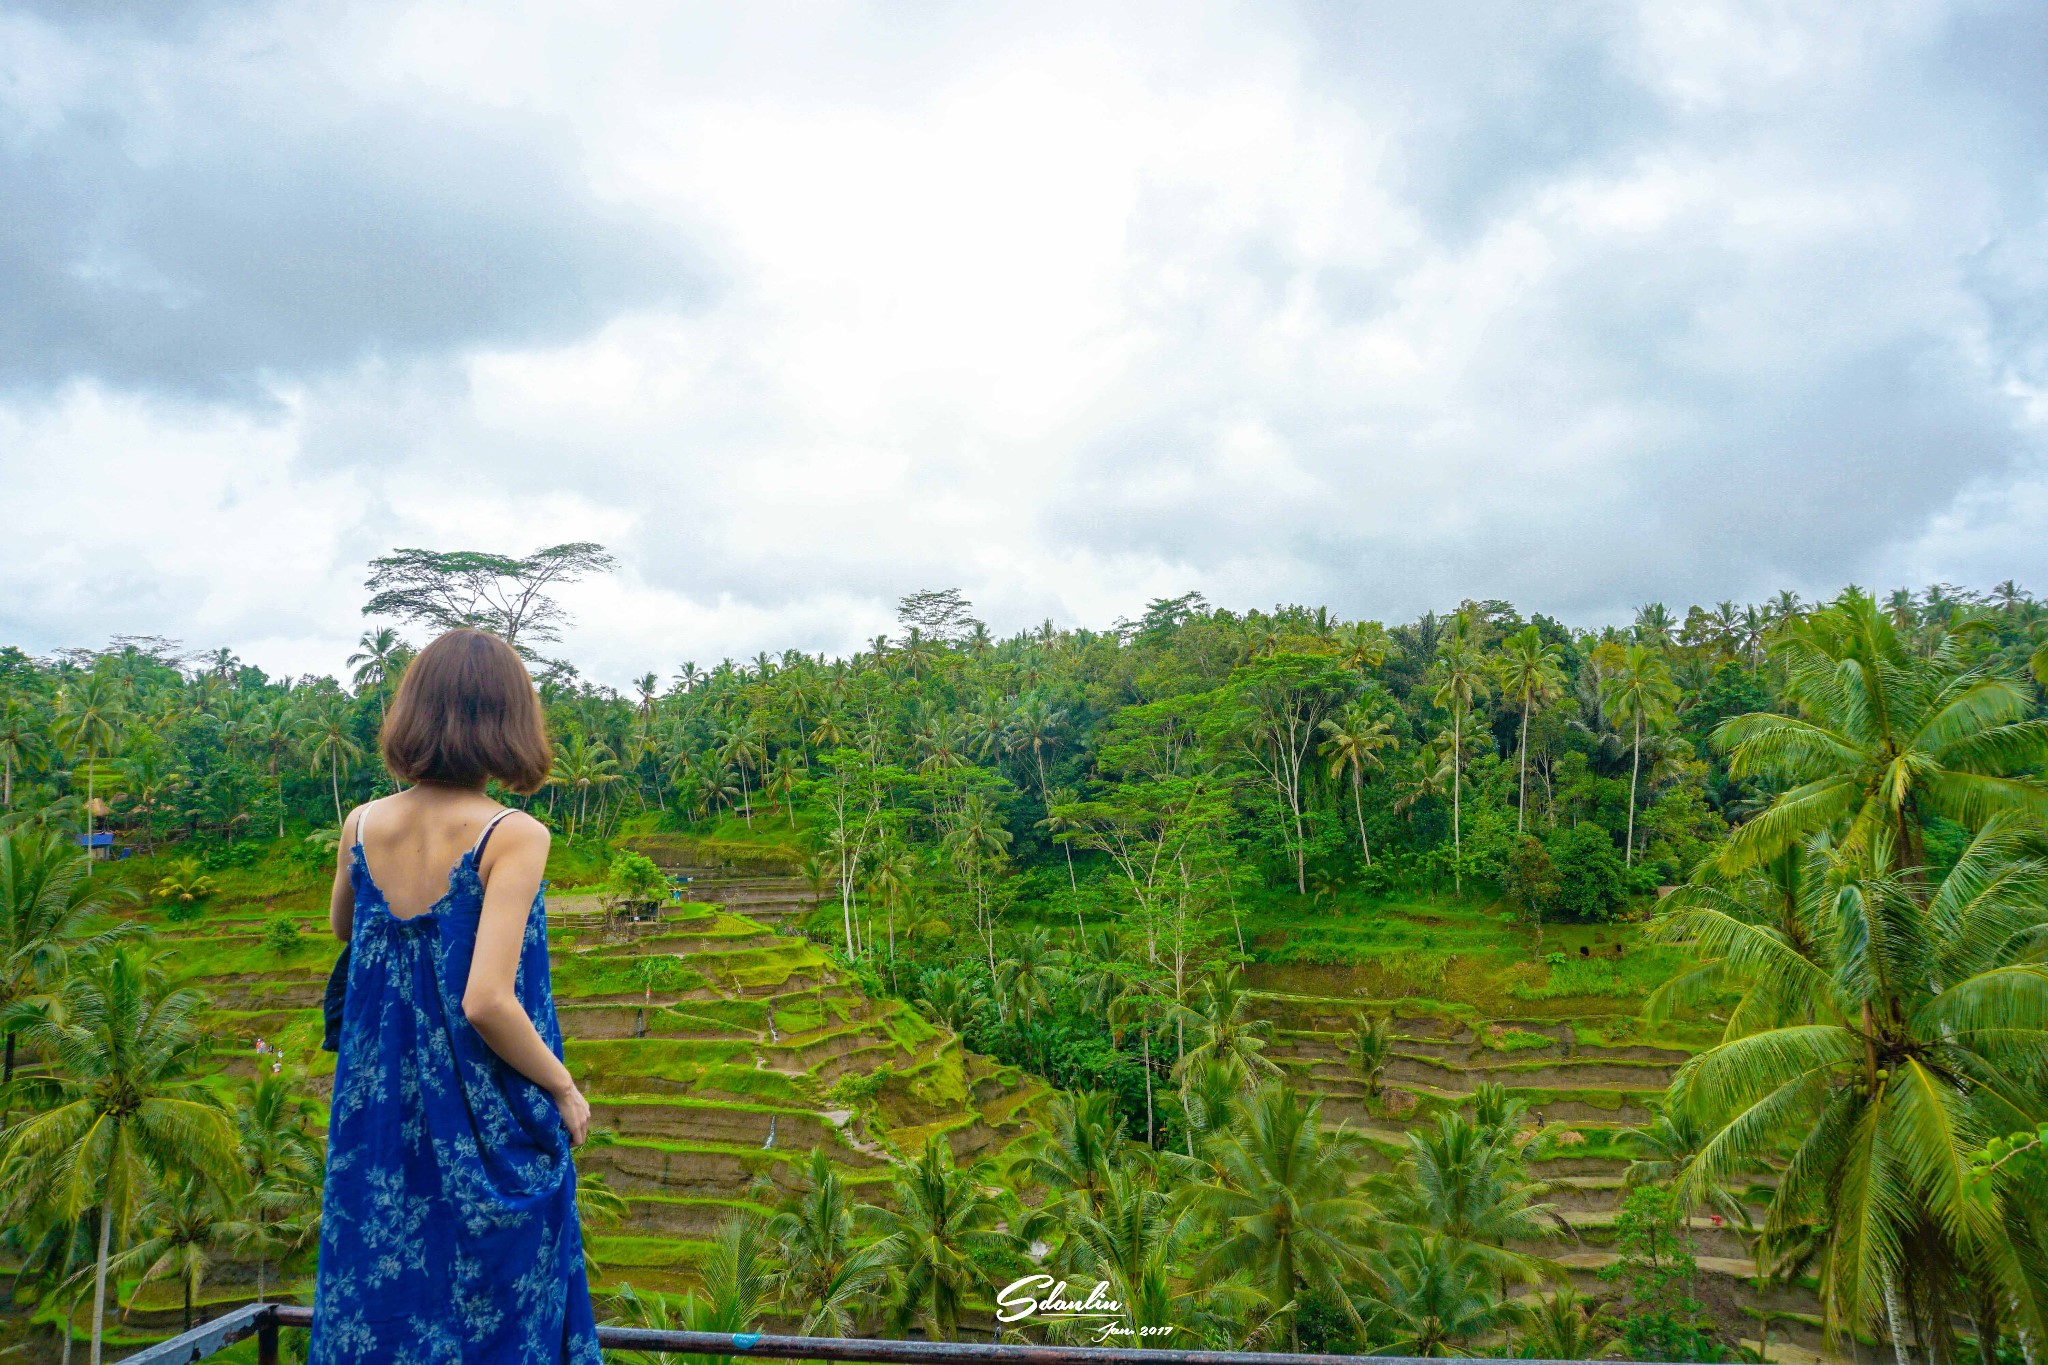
(801, 308)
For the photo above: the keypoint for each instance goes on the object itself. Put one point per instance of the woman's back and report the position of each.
(414, 842)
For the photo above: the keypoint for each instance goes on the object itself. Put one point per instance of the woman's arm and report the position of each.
(516, 859)
(341, 902)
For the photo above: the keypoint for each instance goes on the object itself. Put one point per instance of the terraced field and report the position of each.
(715, 1050)
(1583, 1083)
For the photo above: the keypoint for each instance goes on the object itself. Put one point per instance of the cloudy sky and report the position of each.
(800, 308)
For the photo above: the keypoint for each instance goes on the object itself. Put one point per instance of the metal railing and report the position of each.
(262, 1321)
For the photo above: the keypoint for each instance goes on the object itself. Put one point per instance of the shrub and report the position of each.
(1590, 874)
(283, 937)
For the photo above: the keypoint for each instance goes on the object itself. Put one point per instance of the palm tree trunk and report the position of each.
(99, 1277)
(1358, 809)
(1522, 803)
(1891, 1318)
(1635, 768)
(7, 1074)
(1457, 834)
(334, 781)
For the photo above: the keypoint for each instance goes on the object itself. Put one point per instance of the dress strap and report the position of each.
(485, 837)
(362, 816)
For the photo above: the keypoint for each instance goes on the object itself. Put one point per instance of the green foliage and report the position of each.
(634, 881)
(184, 890)
(1589, 874)
(1656, 1272)
(283, 936)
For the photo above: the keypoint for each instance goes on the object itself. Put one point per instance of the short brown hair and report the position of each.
(466, 712)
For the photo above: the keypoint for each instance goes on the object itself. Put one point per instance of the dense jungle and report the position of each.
(1475, 985)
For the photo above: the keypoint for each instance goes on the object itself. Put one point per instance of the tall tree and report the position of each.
(1531, 675)
(21, 744)
(1459, 678)
(124, 1106)
(330, 739)
(939, 1231)
(88, 709)
(506, 595)
(1354, 740)
(48, 900)
(1274, 708)
(1282, 1204)
(1884, 740)
(1887, 1048)
(1639, 693)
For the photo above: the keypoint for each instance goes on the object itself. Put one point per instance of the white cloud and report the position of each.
(801, 310)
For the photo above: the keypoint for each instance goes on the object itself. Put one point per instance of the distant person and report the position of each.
(449, 1230)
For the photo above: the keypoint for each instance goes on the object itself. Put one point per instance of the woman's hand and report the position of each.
(575, 1112)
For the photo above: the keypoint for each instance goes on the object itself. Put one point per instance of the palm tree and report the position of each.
(1056, 824)
(282, 1160)
(1282, 1203)
(744, 748)
(1531, 675)
(1460, 679)
(583, 767)
(125, 1106)
(1133, 1238)
(1907, 1034)
(1076, 1151)
(273, 730)
(825, 1275)
(1640, 694)
(1429, 1296)
(21, 745)
(1225, 1029)
(938, 1234)
(781, 781)
(1026, 976)
(1464, 1179)
(1883, 740)
(1356, 738)
(739, 1285)
(1560, 1326)
(891, 874)
(1655, 625)
(191, 1222)
(977, 841)
(331, 739)
(87, 712)
(1034, 728)
(48, 898)
(379, 658)
(1372, 1047)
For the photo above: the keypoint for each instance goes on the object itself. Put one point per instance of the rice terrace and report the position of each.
(1665, 991)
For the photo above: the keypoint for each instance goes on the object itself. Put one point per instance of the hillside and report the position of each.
(712, 1043)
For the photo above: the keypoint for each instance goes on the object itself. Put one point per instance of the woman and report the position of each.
(448, 1232)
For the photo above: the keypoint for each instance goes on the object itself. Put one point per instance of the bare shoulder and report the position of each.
(521, 832)
(352, 824)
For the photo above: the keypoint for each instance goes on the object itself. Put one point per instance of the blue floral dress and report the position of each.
(448, 1233)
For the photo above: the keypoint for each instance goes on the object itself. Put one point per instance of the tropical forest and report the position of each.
(1482, 984)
